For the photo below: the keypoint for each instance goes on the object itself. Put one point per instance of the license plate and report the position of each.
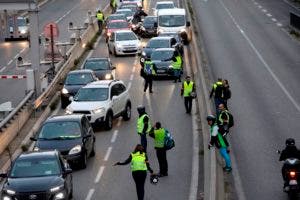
(293, 182)
(160, 71)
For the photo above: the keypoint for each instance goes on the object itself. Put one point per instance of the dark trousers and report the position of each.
(144, 140)
(188, 102)
(148, 82)
(161, 154)
(100, 23)
(139, 178)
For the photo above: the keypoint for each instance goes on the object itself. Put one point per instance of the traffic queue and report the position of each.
(92, 96)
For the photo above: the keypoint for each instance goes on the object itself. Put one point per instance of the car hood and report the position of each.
(73, 89)
(161, 64)
(148, 26)
(128, 43)
(60, 145)
(33, 184)
(86, 105)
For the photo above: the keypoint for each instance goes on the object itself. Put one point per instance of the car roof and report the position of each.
(161, 38)
(38, 154)
(164, 49)
(81, 71)
(164, 2)
(59, 118)
(172, 11)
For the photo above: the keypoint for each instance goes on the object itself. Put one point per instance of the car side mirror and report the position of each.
(68, 171)
(3, 175)
(155, 24)
(33, 139)
(188, 23)
(71, 98)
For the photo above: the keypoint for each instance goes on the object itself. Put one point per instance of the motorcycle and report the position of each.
(292, 187)
(136, 28)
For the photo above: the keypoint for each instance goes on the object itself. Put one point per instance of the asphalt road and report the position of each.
(247, 43)
(60, 11)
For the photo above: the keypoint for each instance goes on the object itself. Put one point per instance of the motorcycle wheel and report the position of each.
(292, 195)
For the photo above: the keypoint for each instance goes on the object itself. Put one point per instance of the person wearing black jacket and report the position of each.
(137, 17)
(226, 93)
(290, 151)
(139, 166)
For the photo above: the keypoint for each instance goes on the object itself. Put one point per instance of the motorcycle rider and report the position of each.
(137, 17)
(290, 151)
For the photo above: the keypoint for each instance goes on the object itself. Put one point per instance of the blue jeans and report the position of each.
(225, 155)
(144, 140)
(177, 73)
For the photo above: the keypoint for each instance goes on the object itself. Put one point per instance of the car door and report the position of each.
(87, 135)
(111, 41)
(123, 96)
(68, 177)
(115, 99)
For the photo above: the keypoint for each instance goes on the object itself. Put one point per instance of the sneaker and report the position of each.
(227, 169)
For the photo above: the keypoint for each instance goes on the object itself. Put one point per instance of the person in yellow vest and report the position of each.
(100, 19)
(159, 133)
(187, 88)
(148, 74)
(217, 91)
(139, 166)
(113, 6)
(177, 66)
(143, 125)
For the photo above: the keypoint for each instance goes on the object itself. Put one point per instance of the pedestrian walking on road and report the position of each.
(139, 166)
(188, 90)
(143, 125)
(177, 66)
(148, 73)
(217, 92)
(225, 119)
(100, 20)
(226, 93)
(113, 6)
(159, 134)
(217, 140)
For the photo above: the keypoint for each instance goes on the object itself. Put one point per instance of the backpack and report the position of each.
(169, 142)
(147, 69)
(231, 120)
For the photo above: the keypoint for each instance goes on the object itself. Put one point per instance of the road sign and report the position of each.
(47, 30)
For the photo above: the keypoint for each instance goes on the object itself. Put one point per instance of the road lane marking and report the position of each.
(108, 152)
(129, 85)
(99, 174)
(119, 122)
(264, 10)
(90, 194)
(131, 77)
(274, 20)
(265, 64)
(10, 62)
(67, 13)
(259, 6)
(114, 136)
(1, 70)
(269, 15)
(133, 69)
(279, 24)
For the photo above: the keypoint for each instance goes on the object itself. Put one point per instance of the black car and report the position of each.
(155, 43)
(148, 28)
(75, 80)
(72, 135)
(102, 67)
(178, 38)
(41, 175)
(162, 59)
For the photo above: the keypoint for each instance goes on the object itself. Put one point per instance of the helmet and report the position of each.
(140, 6)
(141, 109)
(211, 118)
(154, 179)
(290, 142)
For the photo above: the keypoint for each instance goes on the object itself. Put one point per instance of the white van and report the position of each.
(174, 20)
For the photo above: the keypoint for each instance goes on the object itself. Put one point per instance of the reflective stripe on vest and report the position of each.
(220, 116)
(187, 88)
(178, 63)
(100, 16)
(159, 139)
(151, 66)
(140, 124)
(138, 161)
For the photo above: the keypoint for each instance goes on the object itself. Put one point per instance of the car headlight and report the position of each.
(170, 66)
(108, 34)
(56, 189)
(36, 149)
(59, 195)
(64, 91)
(74, 150)
(23, 31)
(11, 192)
(6, 198)
(143, 53)
(118, 46)
(69, 111)
(108, 76)
(98, 110)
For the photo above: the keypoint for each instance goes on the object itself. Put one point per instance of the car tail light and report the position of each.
(292, 174)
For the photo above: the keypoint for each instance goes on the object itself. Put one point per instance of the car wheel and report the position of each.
(83, 161)
(127, 112)
(93, 153)
(108, 121)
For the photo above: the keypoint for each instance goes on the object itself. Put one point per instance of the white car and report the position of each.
(101, 101)
(163, 5)
(124, 42)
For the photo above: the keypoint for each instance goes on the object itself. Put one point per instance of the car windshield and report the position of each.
(132, 7)
(92, 94)
(117, 25)
(125, 36)
(60, 130)
(150, 20)
(79, 79)
(162, 55)
(97, 65)
(116, 17)
(21, 22)
(125, 12)
(171, 20)
(35, 167)
(164, 6)
(155, 44)
(174, 35)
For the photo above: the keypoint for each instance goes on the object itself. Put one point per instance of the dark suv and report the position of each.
(72, 135)
(41, 175)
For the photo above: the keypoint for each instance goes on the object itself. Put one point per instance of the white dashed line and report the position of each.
(90, 194)
(133, 69)
(107, 154)
(255, 3)
(274, 20)
(114, 136)
(119, 122)
(269, 15)
(1, 70)
(99, 174)
(264, 10)
(131, 77)
(10, 62)
(129, 85)
(23, 50)
(259, 6)
(279, 24)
